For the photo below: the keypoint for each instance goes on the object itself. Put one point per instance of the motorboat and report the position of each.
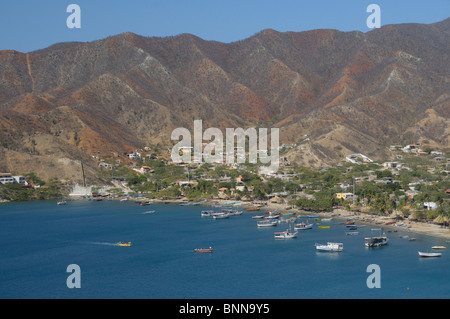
(258, 217)
(330, 247)
(323, 227)
(206, 213)
(221, 215)
(376, 241)
(439, 247)
(287, 234)
(62, 202)
(203, 250)
(303, 226)
(424, 254)
(122, 243)
(267, 223)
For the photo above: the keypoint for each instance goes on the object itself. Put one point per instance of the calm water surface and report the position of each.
(40, 239)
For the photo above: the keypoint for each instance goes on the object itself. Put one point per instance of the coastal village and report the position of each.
(412, 189)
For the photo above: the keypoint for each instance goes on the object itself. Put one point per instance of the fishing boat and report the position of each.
(376, 241)
(323, 227)
(252, 209)
(203, 250)
(287, 234)
(438, 247)
(267, 223)
(424, 254)
(330, 247)
(206, 213)
(221, 215)
(235, 212)
(122, 243)
(149, 212)
(352, 227)
(62, 202)
(349, 223)
(352, 233)
(144, 203)
(303, 226)
(258, 217)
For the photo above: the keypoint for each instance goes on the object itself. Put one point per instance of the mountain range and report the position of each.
(331, 93)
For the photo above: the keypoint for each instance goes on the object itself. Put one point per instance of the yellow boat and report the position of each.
(124, 243)
(323, 227)
(438, 247)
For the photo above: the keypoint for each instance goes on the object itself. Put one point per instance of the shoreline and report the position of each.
(420, 228)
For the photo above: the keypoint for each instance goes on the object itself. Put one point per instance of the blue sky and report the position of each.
(27, 25)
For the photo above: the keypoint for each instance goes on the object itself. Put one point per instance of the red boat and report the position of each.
(203, 250)
(253, 209)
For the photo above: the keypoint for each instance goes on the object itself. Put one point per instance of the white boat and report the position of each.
(330, 247)
(267, 223)
(235, 213)
(63, 202)
(352, 233)
(206, 213)
(423, 254)
(221, 216)
(376, 241)
(287, 234)
(258, 217)
(149, 212)
(303, 226)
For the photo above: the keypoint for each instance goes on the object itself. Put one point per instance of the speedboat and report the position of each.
(330, 247)
(122, 243)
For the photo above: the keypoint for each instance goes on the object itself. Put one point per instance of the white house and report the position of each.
(430, 205)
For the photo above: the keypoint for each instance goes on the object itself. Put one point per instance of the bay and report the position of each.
(40, 239)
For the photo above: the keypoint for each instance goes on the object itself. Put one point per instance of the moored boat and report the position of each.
(303, 226)
(424, 254)
(267, 223)
(323, 227)
(221, 215)
(287, 234)
(376, 241)
(330, 247)
(439, 247)
(252, 209)
(149, 212)
(258, 217)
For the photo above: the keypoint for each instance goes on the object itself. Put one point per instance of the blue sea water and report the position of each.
(40, 239)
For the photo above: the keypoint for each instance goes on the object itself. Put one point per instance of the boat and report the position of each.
(62, 202)
(352, 233)
(390, 223)
(424, 254)
(438, 247)
(258, 217)
(235, 212)
(330, 247)
(252, 209)
(303, 226)
(205, 213)
(144, 203)
(376, 241)
(267, 223)
(287, 234)
(203, 250)
(352, 227)
(349, 223)
(313, 216)
(221, 215)
(122, 243)
(323, 227)
(327, 219)
(149, 212)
